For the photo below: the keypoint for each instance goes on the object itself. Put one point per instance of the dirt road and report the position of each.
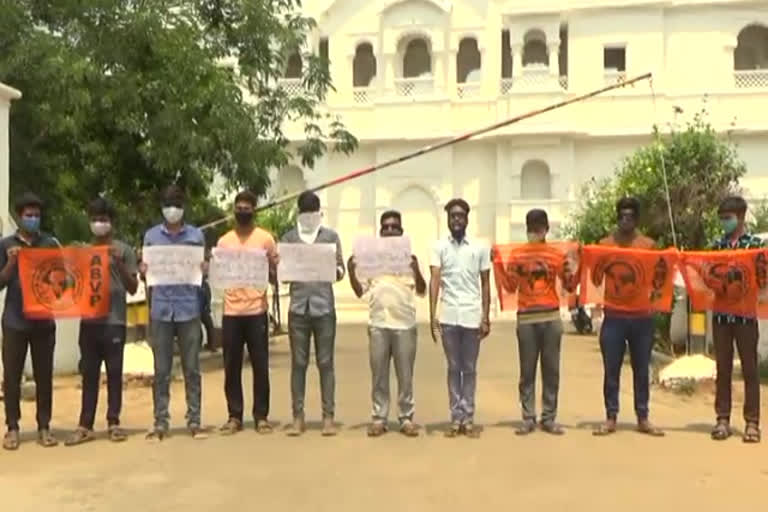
(626, 472)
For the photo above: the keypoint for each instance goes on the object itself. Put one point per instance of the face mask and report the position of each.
(173, 214)
(243, 218)
(536, 237)
(308, 222)
(101, 228)
(729, 225)
(30, 224)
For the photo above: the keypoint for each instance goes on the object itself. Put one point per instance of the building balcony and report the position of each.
(414, 87)
(751, 79)
(291, 86)
(363, 95)
(468, 90)
(533, 80)
(613, 77)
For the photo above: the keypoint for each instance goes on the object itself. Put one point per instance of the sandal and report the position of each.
(79, 436)
(157, 434)
(645, 427)
(117, 434)
(605, 429)
(471, 431)
(722, 431)
(528, 427)
(551, 427)
(232, 426)
(46, 439)
(408, 429)
(376, 429)
(11, 440)
(263, 427)
(197, 432)
(453, 431)
(751, 433)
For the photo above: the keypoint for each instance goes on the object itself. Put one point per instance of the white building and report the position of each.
(408, 73)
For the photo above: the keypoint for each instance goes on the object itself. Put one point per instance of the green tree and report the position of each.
(123, 97)
(702, 168)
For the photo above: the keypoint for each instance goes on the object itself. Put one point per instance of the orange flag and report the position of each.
(732, 282)
(629, 280)
(66, 282)
(535, 276)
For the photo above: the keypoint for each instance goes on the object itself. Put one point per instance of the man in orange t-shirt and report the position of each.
(245, 323)
(622, 329)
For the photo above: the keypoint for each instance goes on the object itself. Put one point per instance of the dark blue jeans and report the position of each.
(616, 333)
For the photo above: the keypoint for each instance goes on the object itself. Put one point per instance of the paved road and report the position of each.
(627, 472)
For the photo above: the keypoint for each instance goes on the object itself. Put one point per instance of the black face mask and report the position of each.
(243, 218)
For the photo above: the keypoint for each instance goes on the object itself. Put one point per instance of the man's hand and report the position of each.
(414, 263)
(485, 328)
(437, 333)
(351, 265)
(13, 255)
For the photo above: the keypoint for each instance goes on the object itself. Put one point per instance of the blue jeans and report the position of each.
(462, 347)
(188, 337)
(616, 333)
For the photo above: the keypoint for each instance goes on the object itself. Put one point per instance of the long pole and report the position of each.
(434, 147)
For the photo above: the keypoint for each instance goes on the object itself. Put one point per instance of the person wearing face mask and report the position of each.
(245, 323)
(729, 329)
(461, 269)
(20, 333)
(540, 328)
(622, 329)
(391, 332)
(312, 313)
(175, 313)
(103, 339)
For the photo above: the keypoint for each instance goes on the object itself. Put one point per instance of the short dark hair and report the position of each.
(536, 218)
(27, 200)
(246, 196)
(308, 202)
(173, 194)
(457, 202)
(391, 214)
(733, 204)
(628, 203)
(101, 206)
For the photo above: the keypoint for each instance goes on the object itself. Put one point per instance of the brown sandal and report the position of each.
(376, 429)
(11, 440)
(721, 432)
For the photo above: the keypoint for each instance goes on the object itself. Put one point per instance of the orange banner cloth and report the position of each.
(628, 280)
(65, 282)
(535, 276)
(731, 282)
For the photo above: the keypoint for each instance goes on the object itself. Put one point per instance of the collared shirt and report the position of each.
(247, 301)
(745, 241)
(13, 313)
(460, 264)
(117, 293)
(174, 303)
(315, 299)
(391, 302)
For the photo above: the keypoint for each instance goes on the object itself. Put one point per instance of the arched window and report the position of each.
(417, 60)
(535, 181)
(535, 48)
(752, 49)
(468, 59)
(294, 65)
(363, 65)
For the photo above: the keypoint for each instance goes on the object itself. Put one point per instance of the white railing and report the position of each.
(751, 79)
(468, 90)
(414, 87)
(363, 95)
(563, 82)
(292, 86)
(533, 80)
(614, 76)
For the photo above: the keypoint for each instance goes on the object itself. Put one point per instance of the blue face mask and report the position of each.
(30, 223)
(729, 225)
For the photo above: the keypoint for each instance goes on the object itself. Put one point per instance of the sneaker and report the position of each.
(297, 428)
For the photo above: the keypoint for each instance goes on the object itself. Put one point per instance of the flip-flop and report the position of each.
(11, 440)
(751, 433)
(46, 439)
(604, 430)
(721, 432)
(117, 434)
(650, 430)
(79, 436)
(263, 427)
(550, 427)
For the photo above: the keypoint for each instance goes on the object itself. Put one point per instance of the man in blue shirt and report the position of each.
(175, 312)
(21, 333)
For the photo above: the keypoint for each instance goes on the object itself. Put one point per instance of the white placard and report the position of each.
(173, 264)
(239, 268)
(307, 262)
(389, 255)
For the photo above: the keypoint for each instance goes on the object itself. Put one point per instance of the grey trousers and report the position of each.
(385, 345)
(189, 336)
(539, 341)
(462, 347)
(323, 329)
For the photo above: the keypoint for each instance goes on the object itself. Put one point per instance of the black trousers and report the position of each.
(206, 318)
(238, 332)
(101, 343)
(41, 340)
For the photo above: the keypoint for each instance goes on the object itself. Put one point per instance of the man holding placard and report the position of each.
(173, 264)
(389, 289)
(245, 322)
(310, 259)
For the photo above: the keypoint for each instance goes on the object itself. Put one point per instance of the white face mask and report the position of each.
(101, 228)
(308, 222)
(173, 214)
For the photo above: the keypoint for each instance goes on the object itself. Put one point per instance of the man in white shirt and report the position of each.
(461, 269)
(392, 333)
